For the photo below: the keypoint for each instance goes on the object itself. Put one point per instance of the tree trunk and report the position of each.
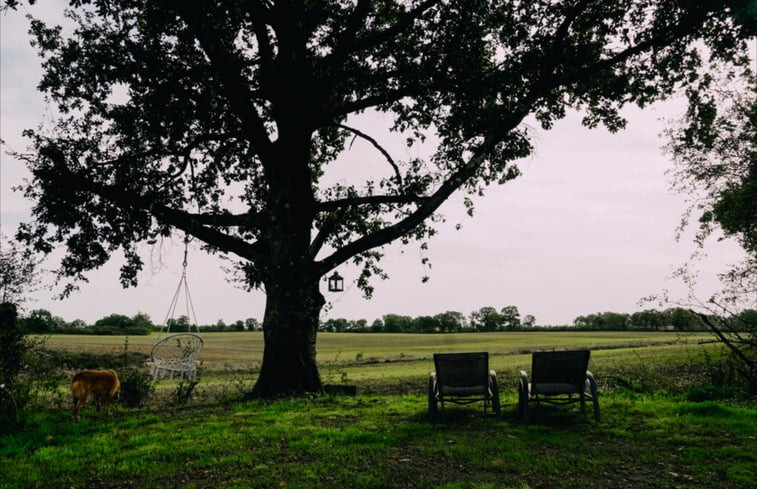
(290, 326)
(293, 298)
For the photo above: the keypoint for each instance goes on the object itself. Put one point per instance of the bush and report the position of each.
(727, 376)
(183, 392)
(136, 383)
(136, 387)
(14, 394)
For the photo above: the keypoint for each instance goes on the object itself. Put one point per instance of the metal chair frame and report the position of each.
(558, 377)
(462, 378)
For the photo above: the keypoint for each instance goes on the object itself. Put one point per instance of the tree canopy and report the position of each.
(223, 119)
(714, 148)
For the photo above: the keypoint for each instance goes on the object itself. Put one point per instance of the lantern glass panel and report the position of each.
(336, 283)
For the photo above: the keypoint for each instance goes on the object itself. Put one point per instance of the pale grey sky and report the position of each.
(589, 227)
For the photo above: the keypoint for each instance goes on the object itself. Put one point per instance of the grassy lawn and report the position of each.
(385, 441)
(650, 435)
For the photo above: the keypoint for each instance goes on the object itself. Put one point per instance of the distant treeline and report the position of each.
(41, 321)
(486, 319)
(508, 319)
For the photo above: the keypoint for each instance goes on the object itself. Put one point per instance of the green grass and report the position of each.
(385, 441)
(650, 436)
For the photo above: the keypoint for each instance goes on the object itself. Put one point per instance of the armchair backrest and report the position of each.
(178, 347)
(462, 369)
(555, 367)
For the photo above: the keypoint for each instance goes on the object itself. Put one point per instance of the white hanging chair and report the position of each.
(177, 353)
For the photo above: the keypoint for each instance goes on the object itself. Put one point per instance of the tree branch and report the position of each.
(349, 42)
(205, 138)
(686, 26)
(369, 101)
(430, 205)
(726, 341)
(377, 38)
(335, 205)
(347, 38)
(381, 150)
(235, 87)
(259, 15)
(225, 219)
(323, 233)
(193, 224)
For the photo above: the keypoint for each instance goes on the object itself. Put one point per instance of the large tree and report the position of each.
(221, 118)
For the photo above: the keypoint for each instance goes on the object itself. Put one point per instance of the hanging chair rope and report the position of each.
(183, 283)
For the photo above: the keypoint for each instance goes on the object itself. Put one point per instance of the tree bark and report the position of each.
(290, 326)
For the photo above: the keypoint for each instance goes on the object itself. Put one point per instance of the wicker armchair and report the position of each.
(176, 354)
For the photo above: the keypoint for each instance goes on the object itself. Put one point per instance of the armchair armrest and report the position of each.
(494, 390)
(433, 394)
(523, 382)
(592, 384)
(523, 376)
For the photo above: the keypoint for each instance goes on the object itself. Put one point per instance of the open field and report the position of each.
(402, 362)
(237, 349)
(652, 434)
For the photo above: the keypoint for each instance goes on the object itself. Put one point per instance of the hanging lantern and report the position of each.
(336, 283)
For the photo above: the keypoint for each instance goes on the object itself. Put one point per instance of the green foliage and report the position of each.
(674, 318)
(182, 393)
(727, 375)
(137, 386)
(19, 272)
(714, 152)
(716, 161)
(40, 321)
(510, 317)
(136, 382)
(486, 319)
(13, 348)
(119, 324)
(182, 324)
(83, 359)
(25, 370)
(450, 321)
(395, 323)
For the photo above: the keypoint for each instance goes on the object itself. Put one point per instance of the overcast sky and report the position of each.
(589, 227)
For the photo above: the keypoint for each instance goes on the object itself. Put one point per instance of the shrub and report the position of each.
(183, 392)
(136, 383)
(14, 394)
(136, 387)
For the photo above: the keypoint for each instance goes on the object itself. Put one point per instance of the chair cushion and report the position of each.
(554, 388)
(472, 390)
